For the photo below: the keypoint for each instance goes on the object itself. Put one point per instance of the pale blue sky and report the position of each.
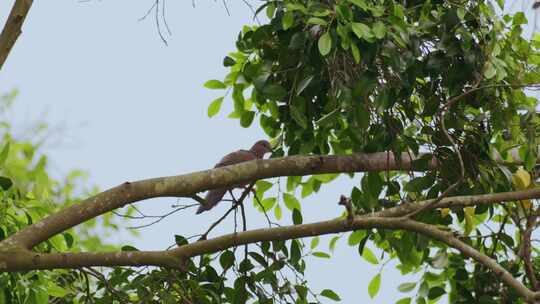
(128, 107)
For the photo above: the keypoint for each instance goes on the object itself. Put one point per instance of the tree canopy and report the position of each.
(428, 105)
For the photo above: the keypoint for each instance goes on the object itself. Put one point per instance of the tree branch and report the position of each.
(188, 184)
(173, 258)
(12, 28)
(15, 259)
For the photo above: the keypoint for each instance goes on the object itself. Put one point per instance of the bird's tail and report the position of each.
(213, 197)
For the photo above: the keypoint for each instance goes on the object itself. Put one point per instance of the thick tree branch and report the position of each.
(12, 28)
(15, 259)
(189, 184)
(360, 222)
(25, 260)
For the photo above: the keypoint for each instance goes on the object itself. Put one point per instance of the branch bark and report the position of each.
(188, 184)
(15, 254)
(17, 259)
(12, 28)
(174, 258)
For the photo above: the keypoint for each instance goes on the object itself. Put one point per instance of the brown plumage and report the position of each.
(257, 151)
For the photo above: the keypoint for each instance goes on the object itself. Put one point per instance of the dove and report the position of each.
(257, 151)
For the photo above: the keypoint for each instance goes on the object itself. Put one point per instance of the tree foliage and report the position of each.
(439, 89)
(450, 78)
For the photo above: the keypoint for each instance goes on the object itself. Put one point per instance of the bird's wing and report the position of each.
(235, 158)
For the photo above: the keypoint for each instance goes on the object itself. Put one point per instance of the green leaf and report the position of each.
(129, 248)
(238, 98)
(180, 240)
(247, 118)
(226, 259)
(270, 10)
(214, 84)
(277, 212)
(287, 20)
(419, 184)
(436, 292)
(303, 84)
(379, 30)
(374, 285)
(298, 116)
(360, 3)
(490, 71)
(330, 294)
(318, 21)
(356, 237)
(329, 118)
(5, 183)
(267, 203)
(297, 217)
(356, 53)
(325, 44)
(55, 290)
(368, 255)
(228, 61)
(321, 254)
(406, 287)
(406, 300)
(68, 238)
(314, 242)
(291, 202)
(4, 154)
(214, 106)
(326, 178)
(274, 91)
(361, 30)
(262, 186)
(333, 242)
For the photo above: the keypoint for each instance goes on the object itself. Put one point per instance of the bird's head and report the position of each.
(261, 147)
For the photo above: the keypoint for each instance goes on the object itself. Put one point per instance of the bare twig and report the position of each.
(233, 207)
(162, 217)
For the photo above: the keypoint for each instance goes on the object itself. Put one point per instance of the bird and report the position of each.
(257, 151)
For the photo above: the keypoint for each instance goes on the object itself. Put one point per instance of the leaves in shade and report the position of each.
(247, 118)
(226, 259)
(296, 216)
(5, 183)
(435, 292)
